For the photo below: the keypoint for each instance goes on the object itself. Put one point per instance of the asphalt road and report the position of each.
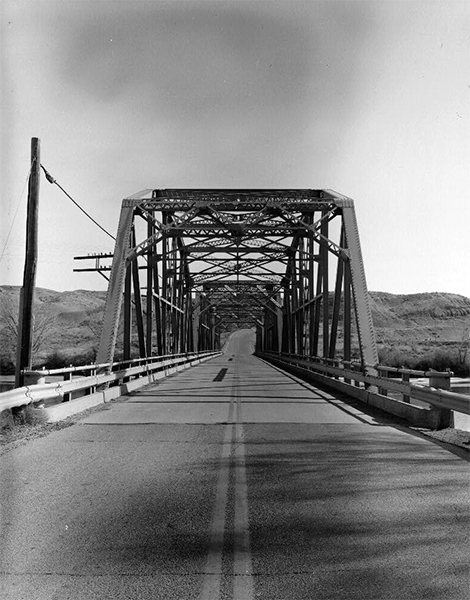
(232, 481)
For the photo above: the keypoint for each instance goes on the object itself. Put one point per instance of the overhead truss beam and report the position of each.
(189, 265)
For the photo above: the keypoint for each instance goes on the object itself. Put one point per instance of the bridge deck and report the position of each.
(235, 481)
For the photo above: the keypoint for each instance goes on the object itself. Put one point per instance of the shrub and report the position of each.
(440, 360)
(6, 366)
(393, 357)
(28, 415)
(59, 360)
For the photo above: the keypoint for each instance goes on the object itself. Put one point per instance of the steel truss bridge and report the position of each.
(233, 479)
(191, 265)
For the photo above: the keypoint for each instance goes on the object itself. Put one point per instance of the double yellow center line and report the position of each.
(232, 456)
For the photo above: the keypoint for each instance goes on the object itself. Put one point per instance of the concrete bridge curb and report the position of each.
(429, 418)
(58, 412)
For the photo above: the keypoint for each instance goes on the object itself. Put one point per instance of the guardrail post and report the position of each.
(336, 364)
(405, 377)
(126, 365)
(347, 365)
(357, 383)
(67, 395)
(382, 373)
(91, 389)
(442, 381)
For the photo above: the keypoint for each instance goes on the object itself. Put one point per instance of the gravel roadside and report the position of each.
(455, 437)
(18, 435)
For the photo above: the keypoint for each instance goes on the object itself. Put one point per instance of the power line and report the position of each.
(16, 213)
(50, 179)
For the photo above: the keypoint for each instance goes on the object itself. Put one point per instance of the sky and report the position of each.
(368, 98)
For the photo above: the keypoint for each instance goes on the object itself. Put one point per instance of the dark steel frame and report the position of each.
(191, 264)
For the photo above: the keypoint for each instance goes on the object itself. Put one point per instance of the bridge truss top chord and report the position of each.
(191, 265)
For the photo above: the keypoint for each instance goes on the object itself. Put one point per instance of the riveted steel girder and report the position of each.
(286, 262)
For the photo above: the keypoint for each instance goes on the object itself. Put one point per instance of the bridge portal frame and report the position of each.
(219, 259)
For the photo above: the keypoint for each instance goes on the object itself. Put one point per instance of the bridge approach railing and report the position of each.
(391, 389)
(97, 382)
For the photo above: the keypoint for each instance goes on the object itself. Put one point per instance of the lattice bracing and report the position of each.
(190, 266)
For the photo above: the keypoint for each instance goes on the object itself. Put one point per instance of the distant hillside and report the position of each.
(415, 324)
(420, 318)
(69, 322)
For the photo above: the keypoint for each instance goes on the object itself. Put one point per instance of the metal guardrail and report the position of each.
(349, 371)
(112, 374)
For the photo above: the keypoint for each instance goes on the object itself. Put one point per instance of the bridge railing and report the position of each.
(436, 393)
(87, 379)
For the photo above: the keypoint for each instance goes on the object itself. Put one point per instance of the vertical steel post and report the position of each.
(138, 300)
(316, 325)
(127, 313)
(325, 292)
(279, 323)
(164, 287)
(138, 309)
(172, 298)
(312, 291)
(285, 319)
(301, 312)
(158, 312)
(180, 315)
(347, 315)
(149, 297)
(337, 302)
(195, 317)
(295, 304)
(365, 327)
(116, 285)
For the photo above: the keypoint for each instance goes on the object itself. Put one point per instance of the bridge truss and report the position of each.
(191, 265)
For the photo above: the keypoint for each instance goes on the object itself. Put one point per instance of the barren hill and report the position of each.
(415, 324)
(419, 318)
(68, 323)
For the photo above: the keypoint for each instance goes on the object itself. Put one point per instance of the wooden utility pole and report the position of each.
(25, 320)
